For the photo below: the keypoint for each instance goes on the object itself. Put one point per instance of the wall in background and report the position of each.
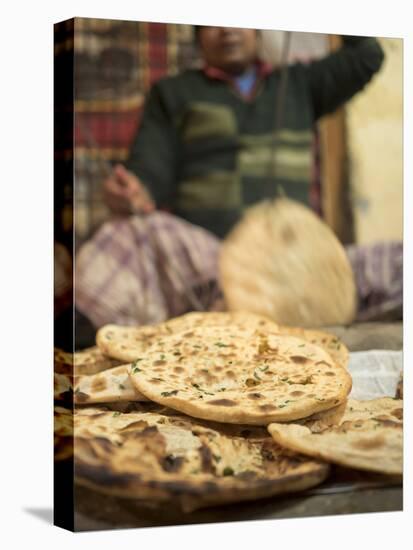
(375, 148)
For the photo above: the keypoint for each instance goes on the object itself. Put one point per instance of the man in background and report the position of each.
(211, 143)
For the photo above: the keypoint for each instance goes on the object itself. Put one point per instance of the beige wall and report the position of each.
(375, 134)
(304, 46)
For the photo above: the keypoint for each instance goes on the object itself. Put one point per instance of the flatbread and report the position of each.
(227, 375)
(370, 444)
(338, 351)
(383, 408)
(128, 343)
(111, 385)
(284, 262)
(64, 418)
(161, 456)
(87, 361)
(244, 320)
(324, 419)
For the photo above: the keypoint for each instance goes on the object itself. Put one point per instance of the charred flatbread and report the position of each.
(226, 375)
(161, 456)
(284, 262)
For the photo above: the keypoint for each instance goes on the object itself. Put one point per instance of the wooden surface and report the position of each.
(99, 512)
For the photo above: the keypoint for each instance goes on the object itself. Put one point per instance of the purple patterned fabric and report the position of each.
(145, 269)
(378, 272)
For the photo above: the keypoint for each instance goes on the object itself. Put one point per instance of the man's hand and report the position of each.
(125, 194)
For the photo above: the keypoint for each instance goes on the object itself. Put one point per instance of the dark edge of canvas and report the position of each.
(63, 128)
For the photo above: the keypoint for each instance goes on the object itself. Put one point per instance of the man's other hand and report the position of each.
(125, 194)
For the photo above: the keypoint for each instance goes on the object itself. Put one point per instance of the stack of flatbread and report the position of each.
(211, 408)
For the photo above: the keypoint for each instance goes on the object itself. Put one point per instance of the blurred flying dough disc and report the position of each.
(283, 262)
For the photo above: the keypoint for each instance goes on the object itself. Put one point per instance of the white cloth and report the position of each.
(375, 373)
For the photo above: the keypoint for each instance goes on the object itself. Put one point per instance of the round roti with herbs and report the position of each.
(281, 260)
(165, 456)
(367, 444)
(227, 375)
(127, 343)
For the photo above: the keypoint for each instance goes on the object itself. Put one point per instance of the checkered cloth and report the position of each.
(145, 269)
(142, 270)
(116, 63)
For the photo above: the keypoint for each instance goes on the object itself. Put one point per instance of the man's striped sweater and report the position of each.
(207, 152)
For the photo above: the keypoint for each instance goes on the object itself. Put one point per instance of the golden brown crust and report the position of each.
(228, 375)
